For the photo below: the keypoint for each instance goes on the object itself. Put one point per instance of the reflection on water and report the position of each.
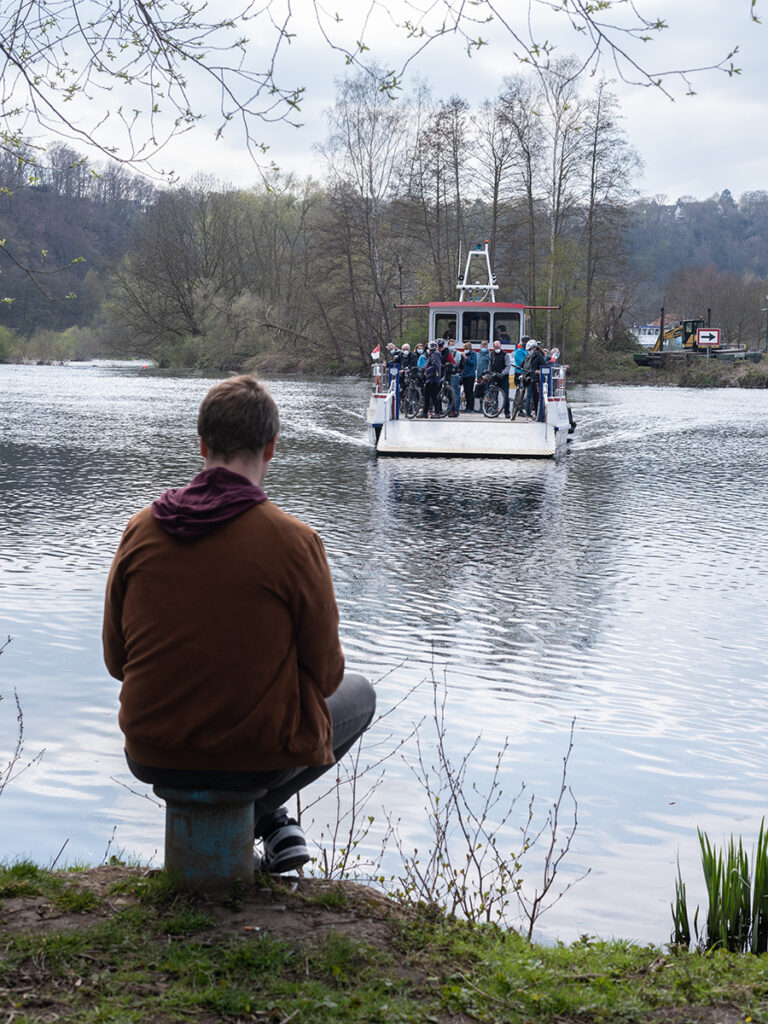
(622, 585)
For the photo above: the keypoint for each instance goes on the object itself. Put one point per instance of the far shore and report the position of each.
(612, 368)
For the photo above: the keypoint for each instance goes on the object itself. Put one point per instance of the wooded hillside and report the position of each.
(305, 274)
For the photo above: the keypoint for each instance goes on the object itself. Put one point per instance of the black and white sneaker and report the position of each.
(283, 844)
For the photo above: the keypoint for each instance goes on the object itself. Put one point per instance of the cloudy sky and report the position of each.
(692, 145)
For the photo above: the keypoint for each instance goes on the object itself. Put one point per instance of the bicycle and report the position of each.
(493, 395)
(518, 403)
(446, 398)
(412, 398)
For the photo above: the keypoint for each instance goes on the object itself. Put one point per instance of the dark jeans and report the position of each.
(351, 707)
(469, 392)
(504, 385)
(431, 389)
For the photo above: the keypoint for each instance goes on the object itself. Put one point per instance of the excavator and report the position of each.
(682, 335)
(676, 340)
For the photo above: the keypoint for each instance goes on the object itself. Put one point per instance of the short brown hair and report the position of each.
(237, 415)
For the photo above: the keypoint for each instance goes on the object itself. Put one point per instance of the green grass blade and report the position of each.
(681, 928)
(759, 938)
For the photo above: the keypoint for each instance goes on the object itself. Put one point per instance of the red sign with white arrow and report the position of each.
(708, 336)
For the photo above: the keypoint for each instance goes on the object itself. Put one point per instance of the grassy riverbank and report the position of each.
(620, 368)
(118, 944)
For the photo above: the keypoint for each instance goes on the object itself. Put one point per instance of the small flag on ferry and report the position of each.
(376, 352)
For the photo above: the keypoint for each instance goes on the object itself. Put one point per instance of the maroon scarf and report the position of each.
(213, 497)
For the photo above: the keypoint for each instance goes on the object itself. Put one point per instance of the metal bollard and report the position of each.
(209, 836)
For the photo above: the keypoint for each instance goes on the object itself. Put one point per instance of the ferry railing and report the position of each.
(378, 380)
(551, 385)
(394, 385)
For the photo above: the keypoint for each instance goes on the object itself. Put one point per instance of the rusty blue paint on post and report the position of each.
(209, 836)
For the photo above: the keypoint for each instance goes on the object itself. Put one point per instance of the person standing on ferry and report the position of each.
(468, 375)
(483, 359)
(433, 372)
(500, 365)
(407, 358)
(534, 361)
(442, 349)
(519, 357)
(454, 363)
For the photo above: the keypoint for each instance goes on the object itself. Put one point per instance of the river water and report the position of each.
(622, 586)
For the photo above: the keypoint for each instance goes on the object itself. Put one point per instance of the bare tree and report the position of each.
(737, 303)
(493, 164)
(563, 183)
(364, 153)
(125, 76)
(520, 110)
(611, 165)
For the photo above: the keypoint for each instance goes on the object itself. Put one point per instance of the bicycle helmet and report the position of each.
(531, 345)
(432, 346)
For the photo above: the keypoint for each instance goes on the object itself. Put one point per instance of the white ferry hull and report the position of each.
(470, 435)
(475, 319)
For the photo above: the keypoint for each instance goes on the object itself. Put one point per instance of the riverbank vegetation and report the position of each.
(304, 275)
(695, 371)
(119, 944)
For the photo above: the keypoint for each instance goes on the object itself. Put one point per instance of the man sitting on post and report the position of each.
(221, 622)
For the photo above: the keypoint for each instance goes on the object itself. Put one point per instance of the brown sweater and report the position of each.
(226, 645)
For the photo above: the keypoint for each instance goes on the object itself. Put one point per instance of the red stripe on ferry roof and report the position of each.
(478, 305)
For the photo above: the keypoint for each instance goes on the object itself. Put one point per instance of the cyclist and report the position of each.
(454, 362)
(500, 366)
(432, 375)
(534, 360)
(468, 375)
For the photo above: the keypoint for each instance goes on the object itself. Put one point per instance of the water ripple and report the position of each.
(622, 586)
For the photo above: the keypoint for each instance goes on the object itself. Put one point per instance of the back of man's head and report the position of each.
(237, 415)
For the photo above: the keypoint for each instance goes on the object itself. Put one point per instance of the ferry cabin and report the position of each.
(478, 322)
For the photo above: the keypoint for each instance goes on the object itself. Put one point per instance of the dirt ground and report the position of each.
(289, 911)
(285, 911)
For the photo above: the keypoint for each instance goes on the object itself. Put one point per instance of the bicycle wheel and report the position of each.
(445, 400)
(412, 402)
(518, 403)
(491, 401)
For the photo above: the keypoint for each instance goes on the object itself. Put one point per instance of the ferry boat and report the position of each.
(475, 317)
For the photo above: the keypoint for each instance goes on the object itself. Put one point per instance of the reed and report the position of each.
(737, 898)
(760, 894)
(681, 927)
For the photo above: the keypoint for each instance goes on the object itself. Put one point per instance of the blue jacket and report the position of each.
(520, 355)
(434, 368)
(470, 364)
(483, 361)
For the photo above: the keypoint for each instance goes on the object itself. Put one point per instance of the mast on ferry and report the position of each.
(478, 290)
